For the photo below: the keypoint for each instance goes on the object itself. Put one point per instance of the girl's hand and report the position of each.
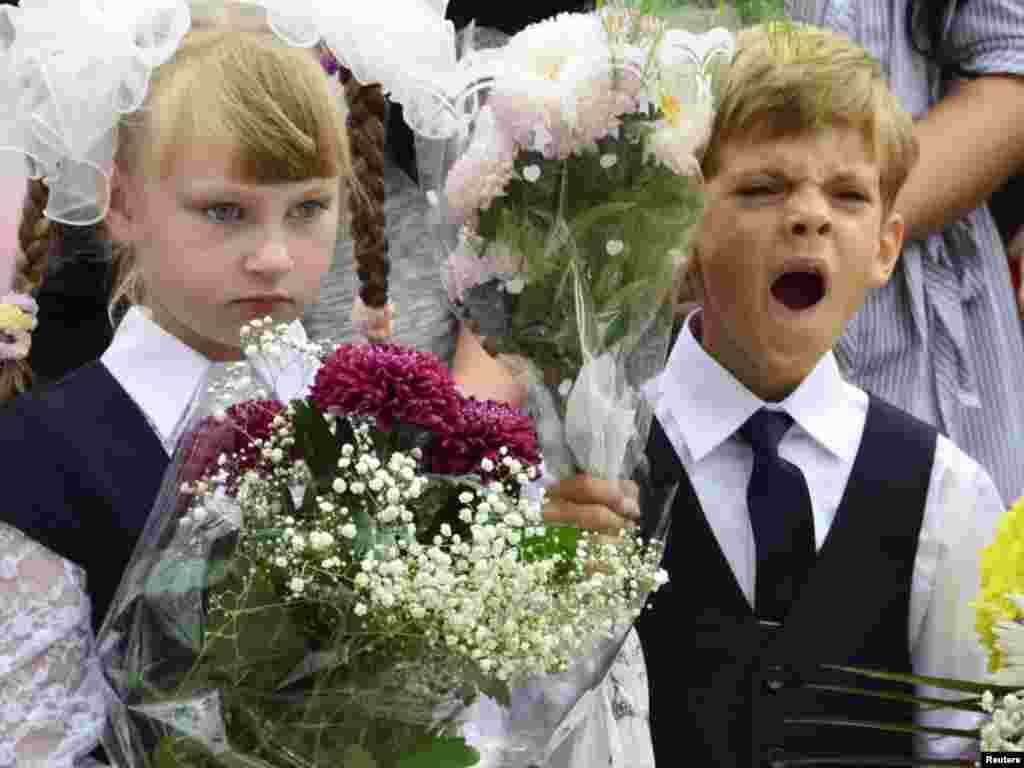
(605, 506)
(481, 376)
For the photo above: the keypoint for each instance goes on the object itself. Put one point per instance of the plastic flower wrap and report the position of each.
(571, 198)
(346, 560)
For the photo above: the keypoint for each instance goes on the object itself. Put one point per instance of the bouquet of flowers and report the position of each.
(568, 205)
(334, 573)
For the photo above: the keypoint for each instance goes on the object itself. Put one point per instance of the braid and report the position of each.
(366, 121)
(34, 232)
(34, 235)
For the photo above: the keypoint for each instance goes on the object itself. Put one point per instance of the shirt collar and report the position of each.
(161, 373)
(709, 405)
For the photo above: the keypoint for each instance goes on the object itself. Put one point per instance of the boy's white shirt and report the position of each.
(701, 405)
(161, 373)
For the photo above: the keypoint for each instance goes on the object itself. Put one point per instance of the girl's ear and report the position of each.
(122, 214)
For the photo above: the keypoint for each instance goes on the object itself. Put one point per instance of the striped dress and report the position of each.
(943, 340)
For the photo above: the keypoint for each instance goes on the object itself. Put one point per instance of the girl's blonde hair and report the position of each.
(233, 81)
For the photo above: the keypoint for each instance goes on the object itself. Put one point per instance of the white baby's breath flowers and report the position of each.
(1004, 731)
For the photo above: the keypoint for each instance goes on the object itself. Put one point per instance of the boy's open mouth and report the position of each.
(799, 288)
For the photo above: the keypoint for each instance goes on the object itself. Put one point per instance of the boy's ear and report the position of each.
(890, 245)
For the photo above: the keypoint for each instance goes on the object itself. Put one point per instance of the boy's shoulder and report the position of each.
(957, 481)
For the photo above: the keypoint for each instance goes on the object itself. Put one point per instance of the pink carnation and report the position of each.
(485, 427)
(388, 382)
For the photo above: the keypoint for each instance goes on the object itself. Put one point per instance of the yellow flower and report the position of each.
(13, 318)
(1002, 575)
(672, 109)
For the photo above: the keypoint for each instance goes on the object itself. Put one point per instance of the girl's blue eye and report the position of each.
(312, 208)
(212, 212)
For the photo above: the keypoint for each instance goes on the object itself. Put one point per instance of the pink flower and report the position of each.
(390, 383)
(482, 173)
(483, 429)
(467, 268)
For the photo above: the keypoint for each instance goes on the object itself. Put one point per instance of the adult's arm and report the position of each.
(973, 140)
(971, 143)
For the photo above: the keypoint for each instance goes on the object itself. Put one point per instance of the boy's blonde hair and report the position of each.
(788, 78)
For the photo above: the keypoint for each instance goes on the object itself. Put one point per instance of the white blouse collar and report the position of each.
(161, 373)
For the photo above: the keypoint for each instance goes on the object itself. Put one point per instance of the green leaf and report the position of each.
(969, 705)
(555, 540)
(942, 683)
(583, 223)
(321, 449)
(615, 331)
(871, 725)
(357, 757)
(442, 752)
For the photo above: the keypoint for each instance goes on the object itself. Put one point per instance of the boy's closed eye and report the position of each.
(759, 190)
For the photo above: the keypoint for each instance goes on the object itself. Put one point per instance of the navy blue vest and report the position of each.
(80, 469)
(722, 684)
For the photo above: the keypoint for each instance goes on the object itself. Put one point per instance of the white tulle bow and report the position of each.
(69, 69)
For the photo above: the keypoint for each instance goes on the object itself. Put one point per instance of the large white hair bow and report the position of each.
(70, 68)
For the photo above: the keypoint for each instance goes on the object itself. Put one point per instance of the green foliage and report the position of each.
(749, 11)
(321, 449)
(442, 752)
(598, 240)
(557, 541)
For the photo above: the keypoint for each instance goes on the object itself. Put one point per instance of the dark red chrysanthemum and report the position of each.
(389, 382)
(234, 436)
(483, 428)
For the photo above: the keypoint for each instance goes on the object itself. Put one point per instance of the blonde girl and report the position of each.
(225, 193)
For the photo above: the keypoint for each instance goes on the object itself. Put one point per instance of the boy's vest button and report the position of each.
(777, 677)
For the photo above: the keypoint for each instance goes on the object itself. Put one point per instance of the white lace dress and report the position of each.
(52, 691)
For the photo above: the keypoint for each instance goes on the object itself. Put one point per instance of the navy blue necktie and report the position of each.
(780, 514)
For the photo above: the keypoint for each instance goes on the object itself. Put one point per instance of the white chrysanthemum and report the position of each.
(558, 92)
